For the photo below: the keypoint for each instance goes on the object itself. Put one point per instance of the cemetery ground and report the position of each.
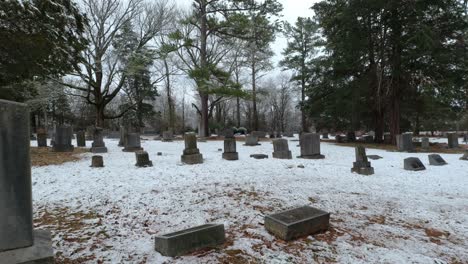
(112, 214)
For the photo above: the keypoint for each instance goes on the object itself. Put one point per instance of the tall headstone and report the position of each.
(405, 142)
(123, 133)
(230, 152)
(98, 145)
(191, 154)
(168, 136)
(17, 237)
(425, 143)
(63, 139)
(452, 140)
(281, 149)
(132, 142)
(362, 164)
(81, 138)
(310, 146)
(41, 137)
(251, 140)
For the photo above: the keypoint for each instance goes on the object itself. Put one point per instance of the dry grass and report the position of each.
(45, 156)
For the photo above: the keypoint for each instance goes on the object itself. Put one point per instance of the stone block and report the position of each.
(413, 164)
(259, 156)
(310, 146)
(465, 155)
(298, 222)
(40, 252)
(230, 156)
(230, 152)
(63, 139)
(41, 137)
(281, 149)
(452, 139)
(436, 160)
(425, 143)
(132, 142)
(189, 240)
(405, 142)
(251, 140)
(142, 159)
(97, 161)
(81, 139)
(168, 136)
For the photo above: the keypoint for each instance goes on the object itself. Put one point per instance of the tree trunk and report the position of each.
(254, 97)
(169, 98)
(203, 64)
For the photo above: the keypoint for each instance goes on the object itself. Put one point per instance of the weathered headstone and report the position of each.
(230, 152)
(188, 240)
(413, 164)
(259, 156)
(80, 139)
(228, 133)
(123, 134)
(436, 160)
(325, 135)
(310, 146)
(18, 242)
(405, 142)
(132, 142)
(251, 140)
(425, 143)
(41, 137)
(168, 136)
(281, 149)
(298, 222)
(98, 145)
(452, 140)
(191, 154)
(142, 159)
(63, 139)
(97, 161)
(362, 164)
(465, 155)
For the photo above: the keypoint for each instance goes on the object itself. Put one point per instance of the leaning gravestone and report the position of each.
(405, 142)
(362, 165)
(189, 240)
(168, 136)
(298, 222)
(251, 140)
(18, 242)
(132, 142)
(281, 149)
(436, 160)
(425, 143)
(142, 159)
(41, 137)
(310, 146)
(97, 161)
(191, 154)
(81, 139)
(230, 152)
(465, 156)
(98, 145)
(63, 139)
(413, 164)
(452, 140)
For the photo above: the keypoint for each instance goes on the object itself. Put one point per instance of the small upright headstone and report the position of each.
(310, 146)
(436, 160)
(251, 140)
(98, 145)
(465, 156)
(41, 137)
(413, 164)
(230, 152)
(387, 138)
(452, 140)
(97, 161)
(132, 142)
(142, 159)
(425, 143)
(405, 142)
(340, 139)
(191, 154)
(325, 135)
(362, 164)
(281, 149)
(63, 139)
(81, 139)
(167, 136)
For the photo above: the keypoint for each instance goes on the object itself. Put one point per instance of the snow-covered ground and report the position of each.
(112, 214)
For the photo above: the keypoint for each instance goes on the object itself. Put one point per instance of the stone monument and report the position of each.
(142, 159)
(123, 133)
(413, 164)
(405, 142)
(132, 142)
(436, 160)
(362, 164)
(425, 143)
(452, 139)
(168, 136)
(41, 137)
(97, 161)
(310, 146)
(63, 139)
(98, 145)
(251, 140)
(230, 151)
(81, 139)
(281, 149)
(191, 154)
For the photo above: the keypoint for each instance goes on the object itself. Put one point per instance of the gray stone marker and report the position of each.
(98, 145)
(374, 157)
(340, 139)
(123, 134)
(81, 139)
(425, 143)
(413, 164)
(41, 137)
(188, 240)
(298, 222)
(436, 160)
(405, 142)
(310, 146)
(362, 165)
(281, 149)
(191, 154)
(465, 155)
(452, 139)
(97, 161)
(259, 156)
(142, 159)
(288, 134)
(18, 242)
(230, 151)
(251, 140)
(168, 136)
(325, 135)
(63, 139)
(132, 142)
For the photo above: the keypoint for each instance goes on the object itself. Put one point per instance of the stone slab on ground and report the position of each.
(40, 252)
(413, 164)
(297, 222)
(259, 156)
(374, 157)
(188, 240)
(436, 160)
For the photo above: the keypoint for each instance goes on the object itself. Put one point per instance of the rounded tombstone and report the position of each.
(97, 161)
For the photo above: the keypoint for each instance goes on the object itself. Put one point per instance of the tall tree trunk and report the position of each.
(303, 114)
(169, 97)
(254, 96)
(204, 65)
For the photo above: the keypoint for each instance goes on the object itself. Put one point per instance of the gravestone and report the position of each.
(251, 140)
(230, 151)
(90, 133)
(132, 142)
(436, 160)
(168, 136)
(281, 149)
(298, 222)
(325, 135)
(191, 154)
(80, 139)
(387, 138)
(259, 134)
(374, 157)
(465, 156)
(351, 136)
(310, 146)
(142, 159)
(63, 139)
(340, 139)
(228, 133)
(425, 143)
(189, 240)
(452, 140)
(123, 133)
(259, 156)
(18, 242)
(413, 164)
(405, 142)
(98, 145)
(362, 165)
(41, 137)
(113, 135)
(368, 139)
(97, 161)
